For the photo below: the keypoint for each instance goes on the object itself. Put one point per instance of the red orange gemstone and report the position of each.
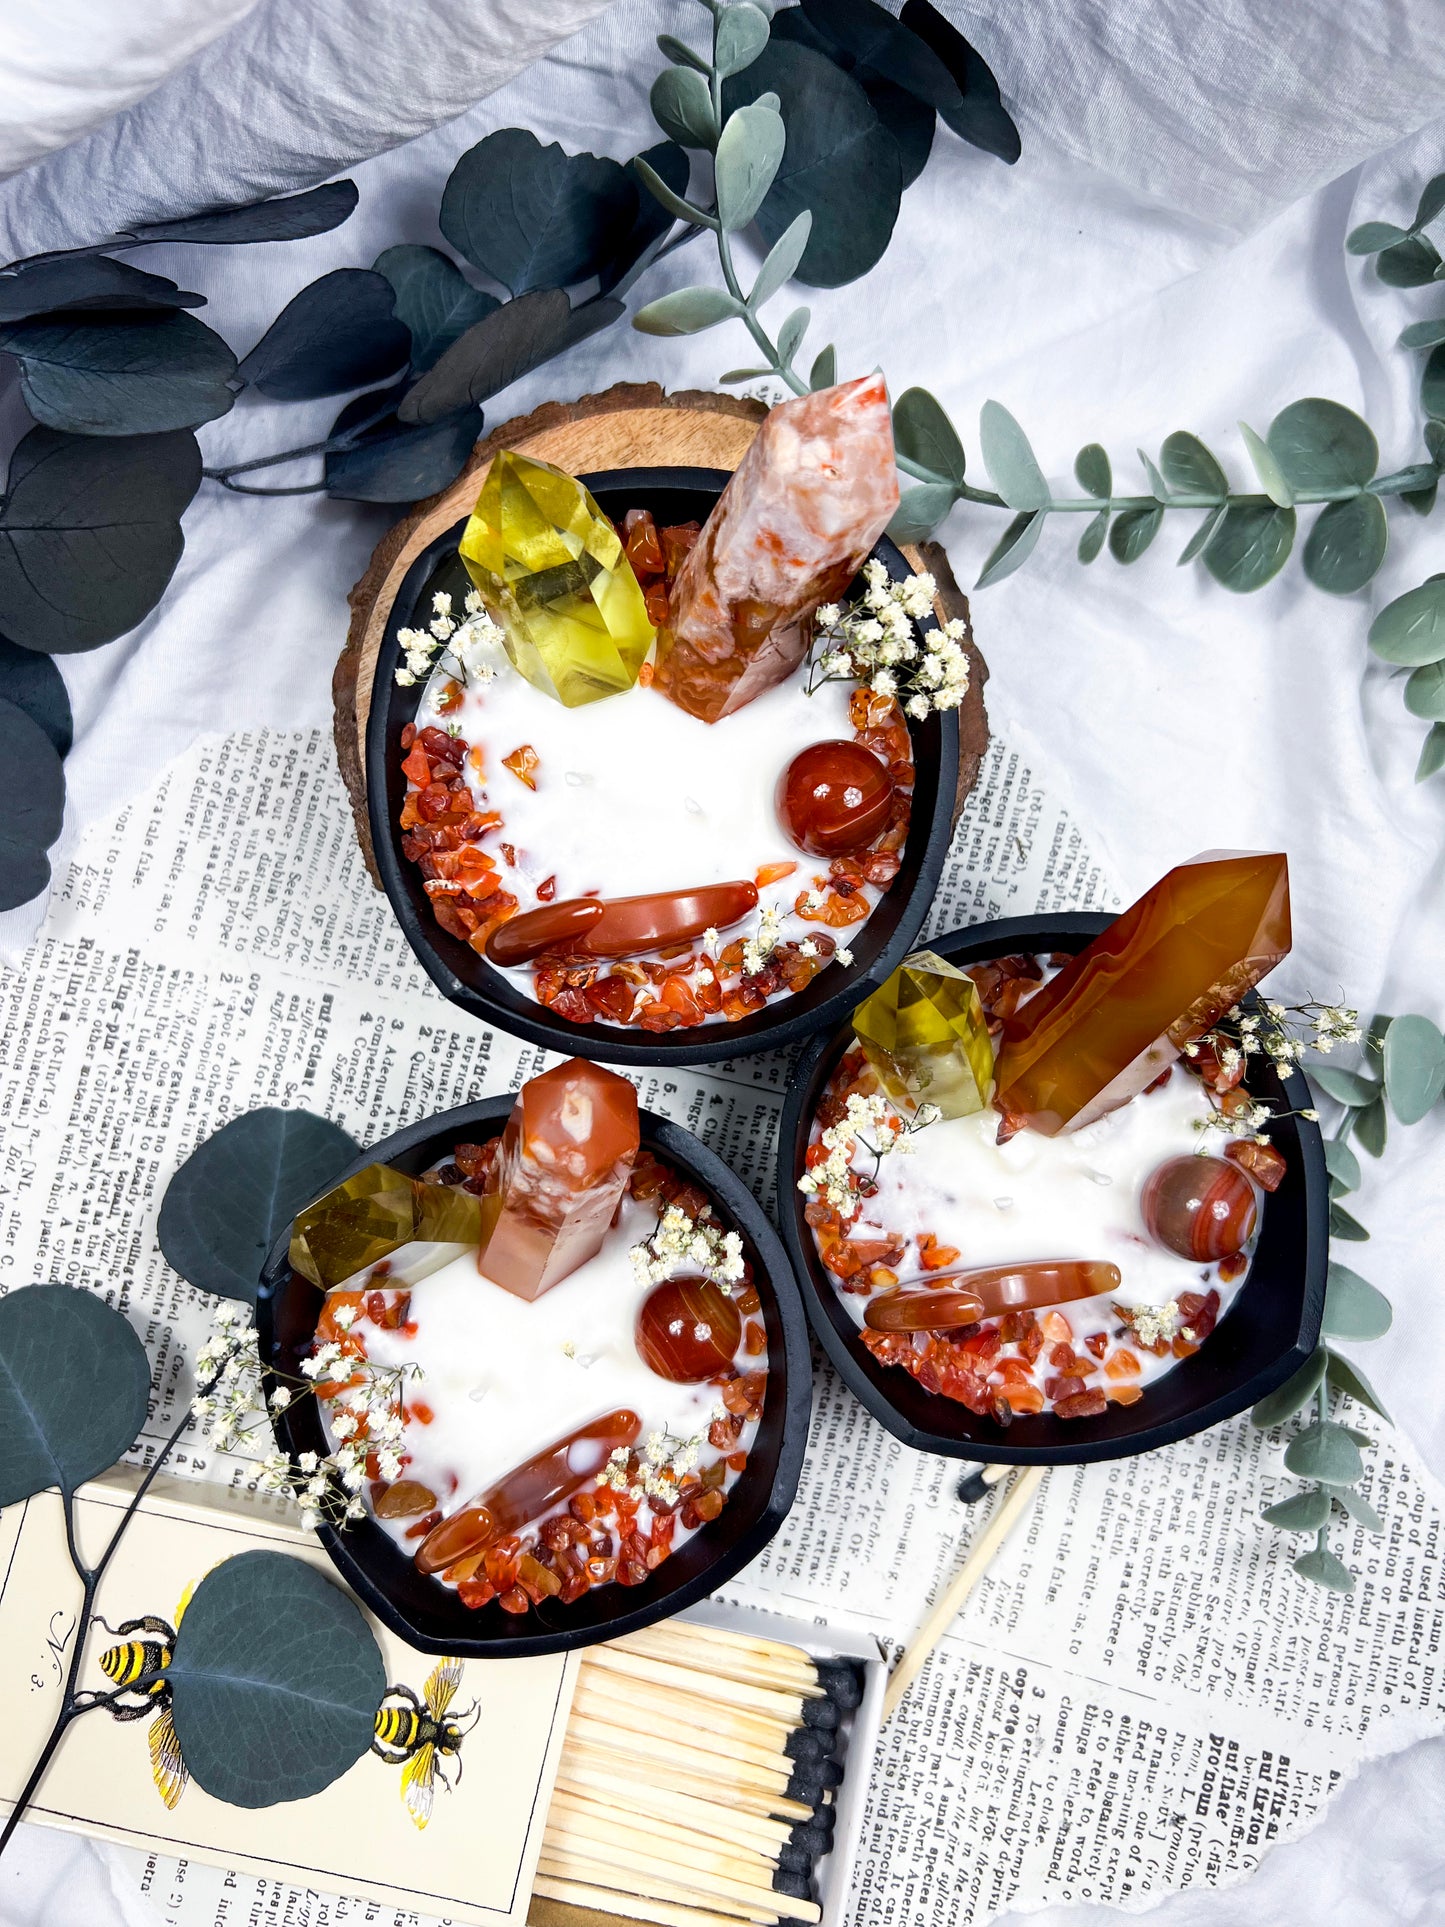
(994, 1290)
(834, 798)
(1200, 1208)
(621, 926)
(557, 926)
(688, 1330)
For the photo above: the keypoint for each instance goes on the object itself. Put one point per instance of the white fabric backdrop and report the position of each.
(1168, 253)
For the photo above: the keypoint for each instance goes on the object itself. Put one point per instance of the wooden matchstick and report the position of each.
(788, 1668)
(671, 1807)
(700, 1708)
(668, 1774)
(666, 1826)
(576, 1893)
(571, 1819)
(620, 1867)
(650, 1746)
(782, 1705)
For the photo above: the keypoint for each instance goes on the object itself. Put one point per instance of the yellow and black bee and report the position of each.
(416, 1735)
(129, 1663)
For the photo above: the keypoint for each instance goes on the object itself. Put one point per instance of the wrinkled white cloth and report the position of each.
(1168, 253)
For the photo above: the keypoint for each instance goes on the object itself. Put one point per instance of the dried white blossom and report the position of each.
(680, 1240)
(875, 642)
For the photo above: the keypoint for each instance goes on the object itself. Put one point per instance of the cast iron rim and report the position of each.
(883, 942)
(1217, 1394)
(362, 1553)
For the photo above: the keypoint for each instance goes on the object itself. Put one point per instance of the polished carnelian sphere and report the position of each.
(688, 1330)
(1200, 1208)
(834, 798)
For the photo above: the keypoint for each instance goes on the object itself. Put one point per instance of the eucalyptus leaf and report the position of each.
(1305, 1512)
(790, 335)
(396, 461)
(735, 375)
(1347, 544)
(339, 333)
(1409, 264)
(1190, 467)
(667, 162)
(1423, 334)
(1432, 201)
(1363, 1439)
(74, 1389)
(1406, 481)
(1201, 537)
(509, 343)
(1093, 472)
(434, 300)
(533, 217)
(824, 372)
(980, 116)
(920, 510)
(1414, 1061)
(687, 311)
(1249, 545)
(1411, 629)
(670, 198)
(1342, 1225)
(1158, 488)
(909, 119)
(1371, 236)
(90, 534)
(1013, 548)
(781, 262)
(1324, 1450)
(34, 684)
(1432, 753)
(1425, 692)
(1432, 382)
(1345, 1087)
(1372, 1128)
(1354, 1309)
(749, 154)
(1360, 1510)
(239, 1189)
(682, 107)
(292, 217)
(679, 52)
(741, 35)
(1272, 478)
(1009, 459)
(924, 434)
(1342, 1164)
(1347, 1377)
(275, 1679)
(1320, 444)
(125, 374)
(1322, 1566)
(1092, 539)
(32, 794)
(874, 39)
(1132, 533)
(86, 281)
(1421, 501)
(839, 160)
(1286, 1400)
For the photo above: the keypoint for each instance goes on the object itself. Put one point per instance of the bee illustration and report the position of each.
(128, 1664)
(416, 1735)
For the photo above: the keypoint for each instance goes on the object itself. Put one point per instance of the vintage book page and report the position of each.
(1141, 1696)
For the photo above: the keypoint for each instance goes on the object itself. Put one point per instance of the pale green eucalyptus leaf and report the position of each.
(1423, 334)
(682, 107)
(790, 335)
(1425, 692)
(1010, 461)
(1409, 264)
(1282, 1403)
(1013, 548)
(1414, 1063)
(1432, 383)
(1199, 541)
(1432, 754)
(1342, 1225)
(1249, 545)
(824, 371)
(749, 154)
(1371, 236)
(1091, 541)
(1347, 544)
(1434, 433)
(1157, 486)
(687, 311)
(1272, 478)
(740, 36)
(1342, 1164)
(1325, 1569)
(1324, 1450)
(1421, 501)
(1432, 201)
(1093, 472)
(1406, 481)
(1363, 1439)
(658, 188)
(1305, 1512)
(735, 375)
(1345, 1087)
(782, 259)
(1321, 444)
(1359, 1509)
(923, 432)
(1347, 1377)
(1411, 629)
(680, 53)
(920, 510)
(1354, 1310)
(1372, 1128)
(1189, 466)
(1132, 532)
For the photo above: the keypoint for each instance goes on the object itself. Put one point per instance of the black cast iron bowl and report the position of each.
(467, 980)
(430, 1616)
(1267, 1334)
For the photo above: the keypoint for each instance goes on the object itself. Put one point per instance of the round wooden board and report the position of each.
(631, 425)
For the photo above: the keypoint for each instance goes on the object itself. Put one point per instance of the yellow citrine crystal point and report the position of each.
(925, 1034)
(554, 575)
(380, 1213)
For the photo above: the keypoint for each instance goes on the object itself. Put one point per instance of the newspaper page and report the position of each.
(1140, 1696)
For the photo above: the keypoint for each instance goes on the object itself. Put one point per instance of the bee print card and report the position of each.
(444, 1814)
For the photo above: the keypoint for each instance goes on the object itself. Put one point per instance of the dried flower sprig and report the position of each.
(868, 1124)
(875, 641)
(662, 1465)
(467, 648)
(681, 1239)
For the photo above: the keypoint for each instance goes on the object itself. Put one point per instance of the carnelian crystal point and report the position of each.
(554, 926)
(620, 926)
(994, 1290)
(1161, 975)
(558, 1177)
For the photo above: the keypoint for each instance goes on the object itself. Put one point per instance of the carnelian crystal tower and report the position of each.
(564, 1162)
(1162, 974)
(792, 528)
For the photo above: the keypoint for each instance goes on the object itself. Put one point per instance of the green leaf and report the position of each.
(239, 1189)
(1354, 1309)
(1342, 1164)
(920, 510)
(687, 311)
(1286, 1399)
(1423, 334)
(1325, 1569)
(275, 1680)
(824, 372)
(1432, 201)
(1092, 539)
(434, 301)
(781, 262)
(735, 375)
(923, 433)
(74, 1389)
(1414, 1063)
(292, 217)
(1345, 1087)
(1305, 1512)
(678, 51)
(1347, 544)
(1320, 444)
(1010, 460)
(509, 343)
(669, 197)
(1093, 472)
(1342, 1225)
(1371, 236)
(533, 217)
(790, 335)
(1411, 629)
(1347, 1377)
(1272, 477)
(1406, 481)
(1249, 545)
(1360, 1510)
(32, 793)
(1409, 264)
(90, 534)
(1013, 548)
(339, 333)
(33, 683)
(121, 374)
(979, 117)
(1421, 501)
(908, 118)
(1132, 533)
(749, 155)
(1432, 754)
(1425, 692)
(741, 35)
(1158, 488)
(395, 461)
(1432, 382)
(1201, 537)
(86, 281)
(1324, 1450)
(839, 160)
(651, 221)
(1372, 1128)
(870, 37)
(1189, 466)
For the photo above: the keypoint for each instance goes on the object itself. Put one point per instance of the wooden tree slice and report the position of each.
(631, 425)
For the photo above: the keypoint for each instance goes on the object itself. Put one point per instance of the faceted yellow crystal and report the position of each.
(553, 573)
(382, 1213)
(925, 1034)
